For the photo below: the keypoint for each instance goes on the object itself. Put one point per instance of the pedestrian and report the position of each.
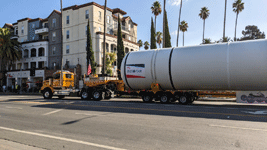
(4, 88)
(16, 88)
(12, 88)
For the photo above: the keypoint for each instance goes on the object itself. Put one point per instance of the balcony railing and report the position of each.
(41, 30)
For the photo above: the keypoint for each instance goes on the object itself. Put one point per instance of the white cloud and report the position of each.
(175, 2)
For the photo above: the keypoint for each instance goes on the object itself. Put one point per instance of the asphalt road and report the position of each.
(130, 124)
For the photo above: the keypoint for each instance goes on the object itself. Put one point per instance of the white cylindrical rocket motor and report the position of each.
(239, 66)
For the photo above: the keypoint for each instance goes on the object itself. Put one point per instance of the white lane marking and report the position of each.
(84, 114)
(256, 112)
(13, 107)
(212, 125)
(62, 138)
(52, 112)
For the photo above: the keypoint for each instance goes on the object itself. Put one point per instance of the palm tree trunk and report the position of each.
(177, 42)
(203, 30)
(163, 40)
(224, 20)
(155, 23)
(236, 25)
(183, 38)
(104, 50)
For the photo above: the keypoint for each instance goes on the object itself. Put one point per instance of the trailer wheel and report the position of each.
(61, 96)
(47, 94)
(147, 98)
(164, 98)
(84, 95)
(98, 95)
(184, 100)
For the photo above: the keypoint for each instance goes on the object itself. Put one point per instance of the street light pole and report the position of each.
(61, 73)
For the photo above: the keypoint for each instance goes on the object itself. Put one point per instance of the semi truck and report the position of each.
(182, 74)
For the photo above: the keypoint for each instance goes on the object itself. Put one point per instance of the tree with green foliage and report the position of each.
(120, 48)
(110, 59)
(207, 41)
(204, 14)
(238, 7)
(140, 43)
(167, 36)
(224, 40)
(156, 10)
(10, 49)
(146, 44)
(159, 38)
(183, 28)
(252, 32)
(153, 43)
(89, 50)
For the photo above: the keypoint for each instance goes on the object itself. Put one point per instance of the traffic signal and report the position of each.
(32, 72)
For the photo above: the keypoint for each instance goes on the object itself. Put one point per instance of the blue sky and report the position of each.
(255, 13)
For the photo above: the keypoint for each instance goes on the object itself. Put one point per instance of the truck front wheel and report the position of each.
(84, 95)
(48, 94)
(147, 98)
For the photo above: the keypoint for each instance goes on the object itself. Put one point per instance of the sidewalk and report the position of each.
(212, 99)
(9, 145)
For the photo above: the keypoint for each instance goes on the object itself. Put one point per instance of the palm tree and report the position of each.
(183, 28)
(140, 42)
(178, 31)
(146, 44)
(156, 10)
(238, 6)
(204, 14)
(207, 41)
(10, 50)
(159, 37)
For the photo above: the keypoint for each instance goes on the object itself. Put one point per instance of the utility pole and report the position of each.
(179, 21)
(163, 40)
(104, 49)
(61, 73)
(224, 20)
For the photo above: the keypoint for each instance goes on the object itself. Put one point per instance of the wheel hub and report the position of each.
(84, 95)
(96, 95)
(47, 94)
(164, 99)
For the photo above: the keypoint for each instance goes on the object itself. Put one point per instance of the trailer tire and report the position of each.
(147, 97)
(47, 94)
(165, 98)
(183, 100)
(61, 96)
(98, 95)
(84, 95)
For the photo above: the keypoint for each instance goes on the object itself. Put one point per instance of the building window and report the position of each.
(41, 52)
(68, 20)
(67, 49)
(99, 28)
(33, 38)
(33, 64)
(19, 66)
(68, 34)
(67, 62)
(129, 27)
(99, 15)
(87, 14)
(55, 64)
(26, 53)
(22, 30)
(33, 25)
(86, 30)
(54, 22)
(33, 52)
(25, 65)
(54, 50)
(40, 64)
(108, 20)
(54, 36)
(16, 31)
(129, 38)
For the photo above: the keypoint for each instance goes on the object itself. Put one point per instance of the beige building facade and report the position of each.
(75, 19)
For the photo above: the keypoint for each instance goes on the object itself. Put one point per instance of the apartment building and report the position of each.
(42, 42)
(75, 20)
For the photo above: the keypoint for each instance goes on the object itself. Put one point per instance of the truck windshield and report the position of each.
(56, 76)
(68, 76)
